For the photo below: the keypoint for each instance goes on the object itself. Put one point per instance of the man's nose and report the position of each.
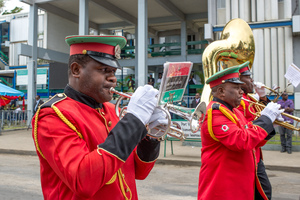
(112, 78)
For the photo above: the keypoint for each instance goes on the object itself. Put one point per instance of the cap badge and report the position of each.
(117, 52)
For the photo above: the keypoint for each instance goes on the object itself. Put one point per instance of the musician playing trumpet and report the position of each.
(85, 151)
(263, 190)
(229, 140)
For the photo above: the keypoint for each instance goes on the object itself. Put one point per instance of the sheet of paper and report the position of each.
(293, 75)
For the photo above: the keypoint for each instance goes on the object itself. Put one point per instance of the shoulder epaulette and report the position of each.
(55, 99)
(215, 106)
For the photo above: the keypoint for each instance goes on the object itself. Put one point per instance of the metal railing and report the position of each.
(12, 119)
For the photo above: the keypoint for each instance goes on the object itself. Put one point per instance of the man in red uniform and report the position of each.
(85, 151)
(263, 190)
(228, 169)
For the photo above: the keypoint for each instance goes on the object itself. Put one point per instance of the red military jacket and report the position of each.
(71, 166)
(245, 109)
(228, 169)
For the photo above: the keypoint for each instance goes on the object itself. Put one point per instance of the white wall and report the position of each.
(57, 29)
(19, 29)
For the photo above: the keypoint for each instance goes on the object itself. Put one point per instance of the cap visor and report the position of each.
(236, 81)
(246, 73)
(107, 61)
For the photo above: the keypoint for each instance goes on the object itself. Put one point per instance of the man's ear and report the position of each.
(75, 69)
(221, 91)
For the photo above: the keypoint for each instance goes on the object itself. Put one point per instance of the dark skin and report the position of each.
(93, 79)
(284, 98)
(231, 93)
(248, 86)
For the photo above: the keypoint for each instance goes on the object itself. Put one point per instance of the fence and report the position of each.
(12, 119)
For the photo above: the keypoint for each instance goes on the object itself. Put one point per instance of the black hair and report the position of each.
(80, 59)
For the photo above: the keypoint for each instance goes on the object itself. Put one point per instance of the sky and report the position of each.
(11, 4)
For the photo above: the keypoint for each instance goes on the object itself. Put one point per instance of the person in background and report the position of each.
(159, 78)
(158, 82)
(196, 101)
(151, 80)
(288, 106)
(38, 102)
(228, 169)
(85, 151)
(131, 84)
(192, 81)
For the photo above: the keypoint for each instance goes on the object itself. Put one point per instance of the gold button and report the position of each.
(127, 189)
(109, 123)
(102, 113)
(124, 176)
(84, 51)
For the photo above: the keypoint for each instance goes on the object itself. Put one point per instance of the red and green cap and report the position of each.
(104, 49)
(244, 69)
(230, 75)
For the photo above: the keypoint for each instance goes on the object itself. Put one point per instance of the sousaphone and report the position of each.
(235, 47)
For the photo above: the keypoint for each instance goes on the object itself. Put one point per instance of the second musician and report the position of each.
(264, 188)
(228, 169)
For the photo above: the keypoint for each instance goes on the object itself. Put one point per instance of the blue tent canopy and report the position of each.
(9, 92)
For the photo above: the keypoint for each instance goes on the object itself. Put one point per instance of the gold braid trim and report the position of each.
(209, 124)
(35, 133)
(209, 120)
(244, 107)
(64, 119)
(121, 180)
(232, 118)
(112, 179)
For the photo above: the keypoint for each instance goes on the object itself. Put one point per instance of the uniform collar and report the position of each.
(223, 102)
(82, 98)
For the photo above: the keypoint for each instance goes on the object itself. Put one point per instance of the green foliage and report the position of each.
(2, 3)
(15, 10)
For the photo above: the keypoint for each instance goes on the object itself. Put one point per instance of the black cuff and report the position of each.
(124, 137)
(265, 123)
(148, 149)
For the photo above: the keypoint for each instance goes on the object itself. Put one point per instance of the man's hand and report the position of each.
(159, 117)
(272, 111)
(143, 103)
(259, 89)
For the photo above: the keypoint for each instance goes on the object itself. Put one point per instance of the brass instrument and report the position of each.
(280, 123)
(158, 132)
(235, 47)
(195, 118)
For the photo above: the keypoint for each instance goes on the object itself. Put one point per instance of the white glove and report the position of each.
(158, 117)
(272, 111)
(260, 90)
(279, 118)
(143, 102)
(256, 96)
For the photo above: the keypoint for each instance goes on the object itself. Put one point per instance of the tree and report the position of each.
(2, 3)
(15, 10)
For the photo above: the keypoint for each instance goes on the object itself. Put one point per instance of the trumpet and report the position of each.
(274, 90)
(195, 118)
(159, 132)
(280, 123)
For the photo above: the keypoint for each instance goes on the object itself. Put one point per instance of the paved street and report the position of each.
(19, 175)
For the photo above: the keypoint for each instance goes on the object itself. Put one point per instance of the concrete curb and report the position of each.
(164, 161)
(198, 164)
(18, 152)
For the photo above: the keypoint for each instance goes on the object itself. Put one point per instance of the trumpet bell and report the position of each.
(198, 117)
